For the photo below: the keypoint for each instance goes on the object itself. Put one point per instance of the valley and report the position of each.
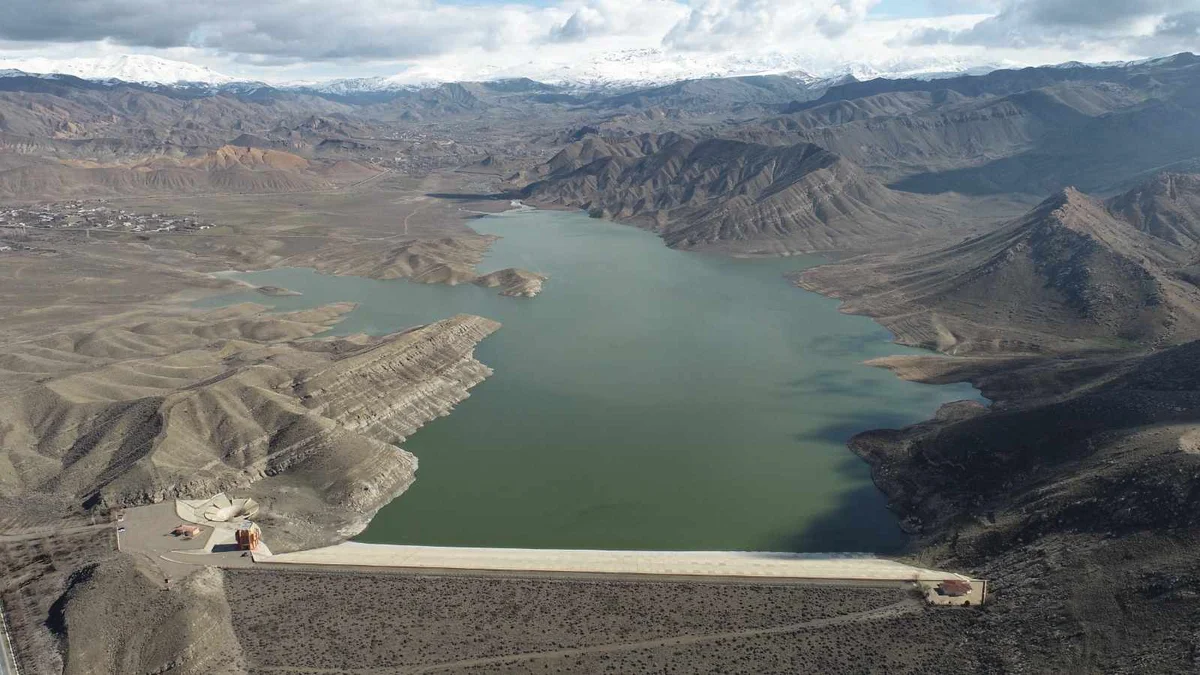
(952, 321)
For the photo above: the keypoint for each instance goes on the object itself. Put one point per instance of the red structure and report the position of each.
(954, 588)
(248, 536)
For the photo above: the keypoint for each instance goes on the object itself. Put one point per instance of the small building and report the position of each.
(954, 588)
(248, 536)
(185, 530)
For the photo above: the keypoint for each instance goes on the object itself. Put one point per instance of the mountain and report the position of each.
(618, 72)
(137, 68)
(716, 192)
(1022, 132)
(227, 169)
(918, 135)
(626, 69)
(1067, 276)
(719, 94)
(609, 71)
(1077, 489)
(1009, 81)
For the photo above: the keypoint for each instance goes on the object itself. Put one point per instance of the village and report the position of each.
(94, 215)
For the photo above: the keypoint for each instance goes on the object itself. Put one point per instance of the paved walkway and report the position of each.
(834, 566)
(8, 662)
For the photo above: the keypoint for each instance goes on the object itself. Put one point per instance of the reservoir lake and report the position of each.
(649, 398)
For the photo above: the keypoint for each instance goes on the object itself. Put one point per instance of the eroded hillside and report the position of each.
(697, 192)
(1069, 275)
(233, 400)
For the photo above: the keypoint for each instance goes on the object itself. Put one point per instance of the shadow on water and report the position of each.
(842, 345)
(850, 525)
(841, 430)
(832, 383)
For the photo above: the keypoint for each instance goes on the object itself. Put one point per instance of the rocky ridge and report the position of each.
(234, 400)
(709, 192)
(1068, 275)
(447, 260)
(114, 619)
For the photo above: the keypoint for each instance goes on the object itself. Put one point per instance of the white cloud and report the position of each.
(279, 40)
(729, 24)
(1136, 27)
(603, 18)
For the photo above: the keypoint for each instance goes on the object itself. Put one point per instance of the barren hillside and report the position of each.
(723, 192)
(1166, 207)
(1068, 275)
(234, 399)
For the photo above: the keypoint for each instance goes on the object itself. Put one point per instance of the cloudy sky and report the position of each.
(279, 40)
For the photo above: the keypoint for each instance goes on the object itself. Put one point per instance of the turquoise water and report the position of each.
(648, 399)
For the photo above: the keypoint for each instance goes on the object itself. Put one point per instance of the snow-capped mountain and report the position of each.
(356, 85)
(621, 69)
(635, 68)
(139, 68)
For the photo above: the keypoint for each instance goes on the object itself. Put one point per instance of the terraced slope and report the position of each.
(233, 400)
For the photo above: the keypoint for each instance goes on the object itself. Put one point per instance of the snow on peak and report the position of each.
(618, 68)
(140, 68)
(648, 67)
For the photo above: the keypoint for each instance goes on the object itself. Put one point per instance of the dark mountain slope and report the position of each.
(906, 134)
(1081, 507)
(770, 92)
(1164, 73)
(1097, 155)
(1167, 207)
(148, 116)
(722, 192)
(923, 136)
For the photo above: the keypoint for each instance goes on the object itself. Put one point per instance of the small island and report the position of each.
(513, 282)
